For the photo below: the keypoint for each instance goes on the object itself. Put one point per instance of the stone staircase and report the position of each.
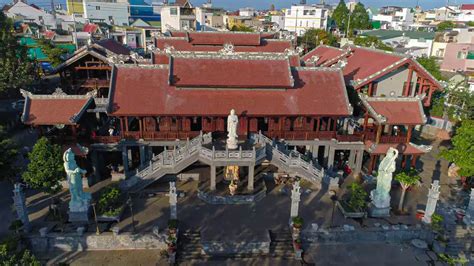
(189, 246)
(281, 245)
(175, 161)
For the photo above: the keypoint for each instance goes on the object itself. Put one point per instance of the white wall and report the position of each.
(168, 21)
(118, 11)
(280, 20)
(299, 18)
(41, 17)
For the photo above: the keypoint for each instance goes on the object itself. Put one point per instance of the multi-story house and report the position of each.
(301, 17)
(112, 12)
(30, 13)
(397, 18)
(177, 15)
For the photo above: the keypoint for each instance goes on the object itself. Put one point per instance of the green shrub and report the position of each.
(110, 201)
(357, 196)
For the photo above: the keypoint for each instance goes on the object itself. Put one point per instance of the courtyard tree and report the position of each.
(445, 25)
(340, 15)
(54, 53)
(430, 64)
(313, 37)
(16, 70)
(406, 179)
(45, 170)
(359, 18)
(8, 157)
(371, 41)
(463, 149)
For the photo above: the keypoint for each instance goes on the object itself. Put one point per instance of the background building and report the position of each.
(301, 17)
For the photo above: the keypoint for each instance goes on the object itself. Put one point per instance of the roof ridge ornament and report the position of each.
(228, 49)
(59, 92)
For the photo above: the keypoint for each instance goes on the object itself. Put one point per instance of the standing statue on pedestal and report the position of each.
(381, 195)
(232, 122)
(80, 201)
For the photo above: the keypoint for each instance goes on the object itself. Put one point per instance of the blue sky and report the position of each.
(264, 4)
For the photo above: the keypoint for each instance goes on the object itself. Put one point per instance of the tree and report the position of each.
(359, 18)
(8, 156)
(313, 37)
(371, 41)
(241, 28)
(470, 24)
(45, 170)
(272, 7)
(459, 102)
(463, 149)
(445, 25)
(430, 64)
(16, 70)
(406, 179)
(341, 15)
(54, 53)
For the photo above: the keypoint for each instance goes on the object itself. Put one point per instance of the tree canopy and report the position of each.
(445, 25)
(16, 70)
(313, 37)
(241, 28)
(359, 18)
(463, 149)
(341, 15)
(8, 156)
(54, 53)
(430, 64)
(45, 170)
(371, 41)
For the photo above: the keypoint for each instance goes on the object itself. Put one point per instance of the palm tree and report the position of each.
(407, 179)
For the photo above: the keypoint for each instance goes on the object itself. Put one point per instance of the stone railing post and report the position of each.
(240, 152)
(213, 152)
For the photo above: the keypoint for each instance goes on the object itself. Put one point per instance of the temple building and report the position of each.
(294, 112)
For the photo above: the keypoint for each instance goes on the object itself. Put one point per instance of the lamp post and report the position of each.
(334, 200)
(130, 204)
(97, 230)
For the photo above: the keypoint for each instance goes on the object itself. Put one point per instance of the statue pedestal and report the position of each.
(377, 212)
(232, 143)
(380, 206)
(79, 213)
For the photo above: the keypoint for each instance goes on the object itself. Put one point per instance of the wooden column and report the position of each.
(414, 158)
(74, 130)
(334, 125)
(430, 94)
(409, 132)
(406, 90)
(126, 124)
(140, 125)
(379, 133)
(404, 162)
(371, 87)
(373, 159)
(318, 124)
(122, 127)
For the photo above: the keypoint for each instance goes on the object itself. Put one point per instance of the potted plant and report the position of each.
(297, 244)
(354, 205)
(297, 222)
(172, 226)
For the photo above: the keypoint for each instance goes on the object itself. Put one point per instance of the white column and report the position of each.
(142, 155)
(173, 201)
(331, 157)
(358, 164)
(295, 199)
(352, 154)
(125, 159)
(433, 196)
(251, 178)
(20, 206)
(469, 218)
(213, 177)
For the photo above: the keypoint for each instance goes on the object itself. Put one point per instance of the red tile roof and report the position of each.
(231, 72)
(326, 54)
(313, 89)
(397, 111)
(54, 111)
(365, 64)
(221, 38)
(90, 28)
(362, 63)
(181, 44)
(467, 7)
(382, 148)
(114, 46)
